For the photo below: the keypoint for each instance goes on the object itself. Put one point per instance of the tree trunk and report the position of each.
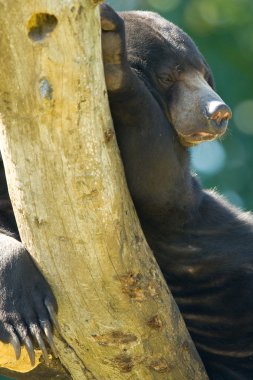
(117, 317)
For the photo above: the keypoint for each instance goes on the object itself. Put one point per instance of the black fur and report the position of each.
(203, 244)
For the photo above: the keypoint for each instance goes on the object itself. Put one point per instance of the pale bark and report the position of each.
(117, 317)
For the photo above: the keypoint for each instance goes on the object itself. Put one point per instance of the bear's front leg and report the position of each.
(27, 304)
(116, 67)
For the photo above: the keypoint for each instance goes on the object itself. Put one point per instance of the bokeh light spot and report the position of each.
(122, 5)
(208, 158)
(209, 12)
(234, 198)
(164, 5)
(243, 116)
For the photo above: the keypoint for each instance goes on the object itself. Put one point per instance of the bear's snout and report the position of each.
(197, 112)
(218, 114)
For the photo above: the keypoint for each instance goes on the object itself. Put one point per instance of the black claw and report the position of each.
(43, 347)
(52, 314)
(30, 350)
(48, 332)
(16, 345)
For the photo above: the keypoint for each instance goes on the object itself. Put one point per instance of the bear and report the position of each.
(162, 101)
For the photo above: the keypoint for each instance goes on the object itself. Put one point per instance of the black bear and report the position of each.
(162, 101)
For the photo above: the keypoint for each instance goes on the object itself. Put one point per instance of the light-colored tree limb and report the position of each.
(117, 318)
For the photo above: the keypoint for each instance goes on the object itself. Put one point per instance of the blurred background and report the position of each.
(223, 31)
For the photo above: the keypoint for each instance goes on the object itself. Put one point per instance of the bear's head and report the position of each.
(177, 75)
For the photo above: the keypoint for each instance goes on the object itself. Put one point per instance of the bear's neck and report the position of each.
(173, 202)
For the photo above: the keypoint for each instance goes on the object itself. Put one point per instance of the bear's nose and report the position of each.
(218, 113)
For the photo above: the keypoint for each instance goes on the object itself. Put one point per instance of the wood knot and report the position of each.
(160, 366)
(124, 362)
(115, 338)
(155, 323)
(109, 135)
(138, 287)
(40, 25)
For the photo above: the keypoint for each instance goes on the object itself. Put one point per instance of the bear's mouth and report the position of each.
(197, 138)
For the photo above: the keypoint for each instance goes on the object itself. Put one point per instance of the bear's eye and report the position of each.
(165, 80)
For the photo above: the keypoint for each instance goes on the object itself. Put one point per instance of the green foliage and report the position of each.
(223, 30)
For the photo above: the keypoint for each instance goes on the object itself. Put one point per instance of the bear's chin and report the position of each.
(194, 139)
